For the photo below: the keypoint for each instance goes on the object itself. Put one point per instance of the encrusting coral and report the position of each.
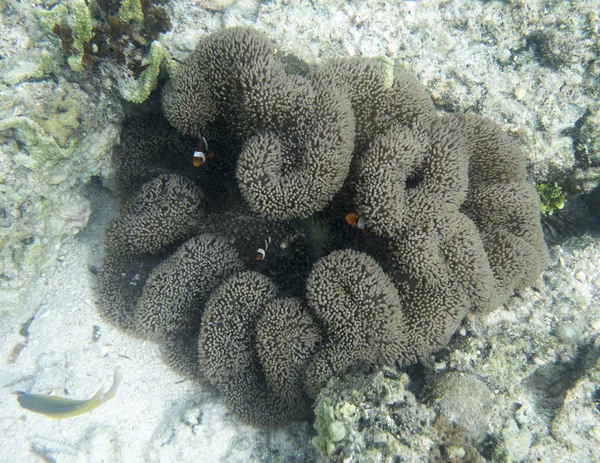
(244, 268)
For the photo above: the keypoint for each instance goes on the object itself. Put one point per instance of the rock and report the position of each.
(464, 400)
(217, 5)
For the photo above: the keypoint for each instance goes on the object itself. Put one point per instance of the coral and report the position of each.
(73, 24)
(395, 425)
(552, 198)
(82, 33)
(48, 152)
(123, 29)
(150, 68)
(131, 11)
(42, 148)
(447, 224)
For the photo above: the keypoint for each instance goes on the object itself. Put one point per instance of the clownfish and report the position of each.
(261, 253)
(202, 153)
(357, 221)
(200, 158)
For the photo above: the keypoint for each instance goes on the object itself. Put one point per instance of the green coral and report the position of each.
(82, 32)
(551, 198)
(360, 418)
(49, 18)
(61, 116)
(42, 147)
(78, 17)
(330, 424)
(131, 10)
(148, 79)
(387, 65)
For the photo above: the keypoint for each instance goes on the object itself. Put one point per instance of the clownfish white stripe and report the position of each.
(361, 223)
(261, 253)
(200, 154)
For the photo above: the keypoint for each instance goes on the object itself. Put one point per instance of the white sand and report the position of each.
(155, 415)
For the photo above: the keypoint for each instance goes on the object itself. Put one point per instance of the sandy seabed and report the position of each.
(70, 351)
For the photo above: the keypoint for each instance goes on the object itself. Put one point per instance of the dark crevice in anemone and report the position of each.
(414, 179)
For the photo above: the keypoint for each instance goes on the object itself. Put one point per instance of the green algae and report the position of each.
(552, 198)
(75, 14)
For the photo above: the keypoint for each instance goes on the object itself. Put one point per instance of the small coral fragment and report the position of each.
(552, 198)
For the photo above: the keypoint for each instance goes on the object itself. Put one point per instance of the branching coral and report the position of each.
(125, 30)
(448, 225)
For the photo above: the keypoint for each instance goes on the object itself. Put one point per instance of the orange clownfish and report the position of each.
(261, 253)
(357, 221)
(201, 154)
(199, 158)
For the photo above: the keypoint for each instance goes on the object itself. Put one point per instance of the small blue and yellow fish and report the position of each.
(59, 407)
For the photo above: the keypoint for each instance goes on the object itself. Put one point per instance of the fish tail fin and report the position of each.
(104, 396)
